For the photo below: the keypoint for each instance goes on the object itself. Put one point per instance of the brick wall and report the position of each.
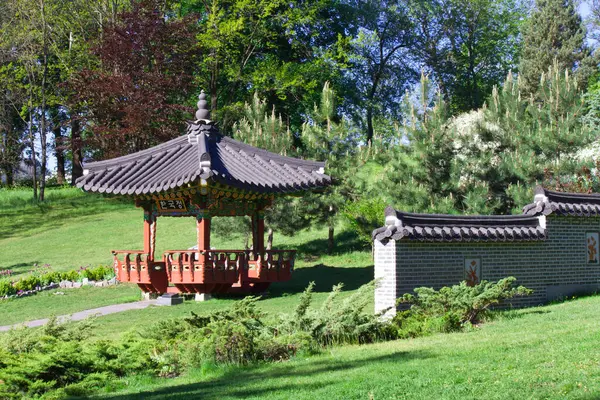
(553, 268)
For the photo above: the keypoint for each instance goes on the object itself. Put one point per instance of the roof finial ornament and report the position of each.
(202, 114)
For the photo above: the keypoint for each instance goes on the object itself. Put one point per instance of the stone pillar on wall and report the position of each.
(385, 276)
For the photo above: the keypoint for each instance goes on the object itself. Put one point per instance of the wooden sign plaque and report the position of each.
(172, 205)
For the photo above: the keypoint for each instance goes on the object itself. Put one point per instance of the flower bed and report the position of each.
(44, 278)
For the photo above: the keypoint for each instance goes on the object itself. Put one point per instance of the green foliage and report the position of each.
(27, 283)
(468, 45)
(554, 32)
(262, 130)
(98, 273)
(43, 276)
(484, 161)
(6, 288)
(280, 50)
(338, 321)
(452, 308)
(364, 216)
(420, 167)
(62, 359)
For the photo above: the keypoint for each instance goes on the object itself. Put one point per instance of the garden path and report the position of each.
(78, 316)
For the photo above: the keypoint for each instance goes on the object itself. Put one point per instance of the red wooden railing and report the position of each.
(136, 266)
(187, 272)
(271, 265)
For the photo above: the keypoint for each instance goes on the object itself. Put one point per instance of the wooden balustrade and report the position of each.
(271, 265)
(184, 269)
(223, 267)
(149, 275)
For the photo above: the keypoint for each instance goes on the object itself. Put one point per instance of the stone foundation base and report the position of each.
(169, 299)
(202, 297)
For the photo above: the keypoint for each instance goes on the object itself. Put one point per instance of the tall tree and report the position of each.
(28, 37)
(418, 175)
(467, 46)
(276, 48)
(379, 65)
(262, 129)
(11, 135)
(554, 31)
(134, 98)
(327, 138)
(266, 130)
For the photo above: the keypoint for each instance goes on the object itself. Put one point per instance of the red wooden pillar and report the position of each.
(203, 233)
(258, 231)
(149, 234)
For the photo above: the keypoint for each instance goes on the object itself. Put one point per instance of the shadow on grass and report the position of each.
(345, 242)
(254, 381)
(325, 277)
(21, 268)
(515, 313)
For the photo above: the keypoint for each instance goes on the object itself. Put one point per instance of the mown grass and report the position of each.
(540, 353)
(547, 352)
(63, 302)
(74, 229)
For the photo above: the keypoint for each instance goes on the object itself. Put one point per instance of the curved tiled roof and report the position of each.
(202, 154)
(450, 228)
(548, 202)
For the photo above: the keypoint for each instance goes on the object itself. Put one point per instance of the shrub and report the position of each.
(27, 283)
(364, 216)
(338, 321)
(98, 273)
(6, 288)
(43, 276)
(69, 276)
(452, 308)
(58, 361)
(50, 277)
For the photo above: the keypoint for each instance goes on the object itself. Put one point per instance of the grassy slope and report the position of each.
(64, 301)
(547, 352)
(74, 229)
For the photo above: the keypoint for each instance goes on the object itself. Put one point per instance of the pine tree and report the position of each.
(418, 176)
(554, 31)
(268, 131)
(330, 141)
(519, 140)
(263, 130)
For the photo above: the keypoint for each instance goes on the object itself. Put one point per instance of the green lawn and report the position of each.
(76, 229)
(540, 353)
(64, 301)
(546, 352)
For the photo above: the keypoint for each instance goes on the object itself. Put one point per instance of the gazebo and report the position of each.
(203, 174)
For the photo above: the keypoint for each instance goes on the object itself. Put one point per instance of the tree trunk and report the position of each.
(43, 137)
(59, 151)
(32, 140)
(330, 239)
(247, 240)
(269, 238)
(9, 177)
(76, 165)
(369, 125)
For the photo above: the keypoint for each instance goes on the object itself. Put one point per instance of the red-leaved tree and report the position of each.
(135, 98)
